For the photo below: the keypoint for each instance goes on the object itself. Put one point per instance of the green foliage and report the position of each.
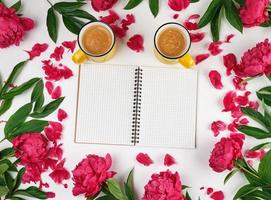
(72, 17)
(153, 4)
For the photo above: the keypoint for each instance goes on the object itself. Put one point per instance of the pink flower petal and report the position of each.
(27, 23)
(169, 160)
(102, 5)
(178, 5)
(244, 121)
(36, 50)
(197, 37)
(254, 105)
(49, 87)
(215, 79)
(125, 23)
(118, 31)
(176, 16)
(144, 159)
(210, 190)
(70, 45)
(228, 101)
(202, 57)
(237, 83)
(191, 26)
(61, 115)
(230, 62)
(214, 48)
(66, 72)
(50, 195)
(219, 195)
(58, 53)
(228, 38)
(56, 152)
(111, 18)
(136, 43)
(218, 126)
(60, 173)
(56, 93)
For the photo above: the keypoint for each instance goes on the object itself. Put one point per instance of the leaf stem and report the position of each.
(248, 171)
(50, 3)
(247, 79)
(3, 140)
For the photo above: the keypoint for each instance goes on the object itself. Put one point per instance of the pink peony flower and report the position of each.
(256, 61)
(254, 13)
(90, 174)
(12, 27)
(32, 174)
(164, 186)
(226, 152)
(101, 5)
(178, 5)
(30, 147)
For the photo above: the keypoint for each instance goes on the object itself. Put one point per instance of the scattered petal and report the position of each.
(218, 126)
(169, 160)
(215, 79)
(60, 173)
(176, 16)
(197, 37)
(58, 53)
(144, 159)
(56, 93)
(102, 5)
(125, 23)
(202, 57)
(210, 190)
(178, 5)
(50, 195)
(239, 84)
(118, 31)
(70, 45)
(61, 115)
(244, 121)
(111, 18)
(230, 62)
(228, 101)
(219, 195)
(254, 105)
(228, 38)
(37, 49)
(136, 43)
(49, 87)
(214, 48)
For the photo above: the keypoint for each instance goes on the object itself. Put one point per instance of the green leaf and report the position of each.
(29, 127)
(18, 179)
(39, 103)
(5, 105)
(1, 82)
(128, 186)
(266, 24)
(187, 196)
(20, 89)
(215, 25)
(6, 153)
(130, 179)
(194, 1)
(32, 192)
(52, 24)
(260, 194)
(262, 146)
(47, 109)
(82, 14)
(254, 132)
(265, 89)
(240, 2)
(210, 12)
(115, 189)
(244, 191)
(12, 77)
(231, 174)
(264, 167)
(3, 168)
(11, 167)
(185, 187)
(17, 198)
(72, 24)
(64, 7)
(154, 6)
(3, 191)
(106, 197)
(18, 118)
(264, 97)
(9, 181)
(132, 4)
(253, 114)
(37, 91)
(17, 5)
(232, 15)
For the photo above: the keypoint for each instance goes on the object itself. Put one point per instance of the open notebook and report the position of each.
(136, 105)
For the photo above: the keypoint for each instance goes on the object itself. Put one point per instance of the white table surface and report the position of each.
(192, 164)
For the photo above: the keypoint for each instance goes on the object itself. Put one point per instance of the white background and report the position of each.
(192, 164)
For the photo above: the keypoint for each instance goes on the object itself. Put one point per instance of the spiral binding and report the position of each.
(137, 106)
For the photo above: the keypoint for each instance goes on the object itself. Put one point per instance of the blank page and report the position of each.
(105, 104)
(168, 109)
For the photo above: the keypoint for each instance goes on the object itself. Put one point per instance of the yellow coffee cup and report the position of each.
(171, 44)
(97, 42)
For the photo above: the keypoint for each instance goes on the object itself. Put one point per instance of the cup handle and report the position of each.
(187, 61)
(80, 57)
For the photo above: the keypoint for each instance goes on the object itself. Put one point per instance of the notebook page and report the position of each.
(168, 109)
(105, 104)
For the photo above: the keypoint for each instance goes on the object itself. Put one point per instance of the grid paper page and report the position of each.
(105, 104)
(168, 110)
